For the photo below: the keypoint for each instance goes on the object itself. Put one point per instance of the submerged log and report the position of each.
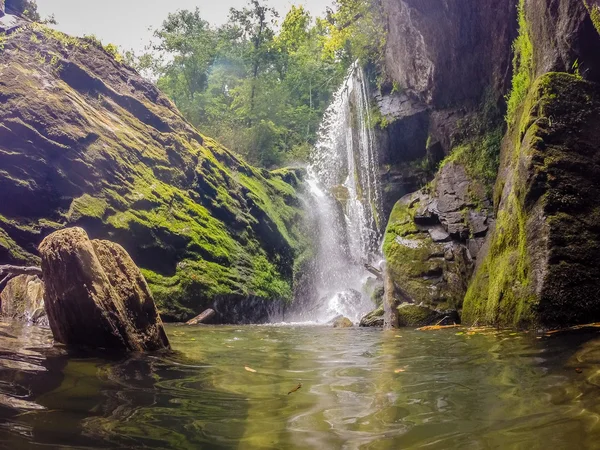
(96, 296)
(202, 318)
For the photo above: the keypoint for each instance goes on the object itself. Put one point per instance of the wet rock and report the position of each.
(411, 315)
(439, 235)
(23, 300)
(343, 322)
(205, 317)
(96, 296)
(373, 319)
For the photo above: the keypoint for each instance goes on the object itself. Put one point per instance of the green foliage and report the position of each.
(522, 66)
(259, 88)
(355, 30)
(113, 51)
(480, 156)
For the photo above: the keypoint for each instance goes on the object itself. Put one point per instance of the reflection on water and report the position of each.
(360, 389)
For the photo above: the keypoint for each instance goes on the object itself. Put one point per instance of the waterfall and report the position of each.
(343, 180)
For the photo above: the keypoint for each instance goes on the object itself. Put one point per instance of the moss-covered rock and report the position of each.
(373, 319)
(410, 315)
(86, 141)
(543, 263)
(433, 238)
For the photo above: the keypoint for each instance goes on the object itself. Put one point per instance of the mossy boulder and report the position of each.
(433, 238)
(374, 318)
(343, 322)
(543, 262)
(86, 141)
(410, 315)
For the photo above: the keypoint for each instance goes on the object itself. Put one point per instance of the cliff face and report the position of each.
(84, 140)
(534, 251)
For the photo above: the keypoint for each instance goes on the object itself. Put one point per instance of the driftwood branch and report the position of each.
(17, 270)
(374, 271)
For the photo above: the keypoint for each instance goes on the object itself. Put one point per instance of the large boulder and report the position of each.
(96, 296)
(434, 237)
(23, 300)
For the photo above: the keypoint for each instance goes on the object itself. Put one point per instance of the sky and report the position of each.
(129, 23)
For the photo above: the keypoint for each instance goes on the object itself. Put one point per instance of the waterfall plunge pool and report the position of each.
(227, 387)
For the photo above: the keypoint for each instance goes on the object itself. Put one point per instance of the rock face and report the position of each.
(96, 296)
(85, 141)
(433, 239)
(543, 262)
(23, 300)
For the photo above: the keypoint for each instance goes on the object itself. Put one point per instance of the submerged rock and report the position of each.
(23, 300)
(96, 296)
(343, 322)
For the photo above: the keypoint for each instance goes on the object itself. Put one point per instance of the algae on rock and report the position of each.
(543, 263)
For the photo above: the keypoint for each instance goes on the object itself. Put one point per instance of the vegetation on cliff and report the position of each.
(542, 264)
(84, 140)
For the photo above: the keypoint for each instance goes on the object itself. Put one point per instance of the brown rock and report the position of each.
(96, 296)
(23, 299)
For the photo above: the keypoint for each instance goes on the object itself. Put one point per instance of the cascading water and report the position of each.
(343, 179)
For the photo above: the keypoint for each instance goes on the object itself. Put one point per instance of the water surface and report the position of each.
(361, 388)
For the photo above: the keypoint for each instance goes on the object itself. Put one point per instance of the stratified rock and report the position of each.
(343, 322)
(373, 319)
(96, 296)
(202, 318)
(23, 299)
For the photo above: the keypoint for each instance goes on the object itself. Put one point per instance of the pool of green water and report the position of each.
(228, 387)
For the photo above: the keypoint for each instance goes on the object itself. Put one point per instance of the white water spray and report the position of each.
(343, 179)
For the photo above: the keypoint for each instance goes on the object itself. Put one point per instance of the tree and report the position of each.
(255, 23)
(259, 89)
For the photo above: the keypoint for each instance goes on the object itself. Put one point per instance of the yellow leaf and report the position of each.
(249, 369)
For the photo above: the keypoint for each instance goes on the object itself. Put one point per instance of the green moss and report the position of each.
(414, 315)
(542, 262)
(87, 206)
(200, 222)
(522, 66)
(480, 156)
(408, 252)
(594, 14)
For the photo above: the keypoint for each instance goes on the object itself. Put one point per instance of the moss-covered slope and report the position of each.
(84, 140)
